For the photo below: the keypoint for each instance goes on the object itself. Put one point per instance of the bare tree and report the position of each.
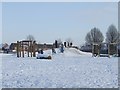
(30, 37)
(112, 34)
(89, 38)
(94, 36)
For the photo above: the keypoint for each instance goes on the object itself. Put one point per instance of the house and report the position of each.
(5, 48)
(44, 46)
(13, 46)
(86, 48)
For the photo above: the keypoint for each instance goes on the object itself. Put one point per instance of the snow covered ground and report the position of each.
(72, 69)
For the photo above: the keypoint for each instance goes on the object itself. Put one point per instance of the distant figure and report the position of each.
(53, 51)
(65, 44)
(40, 52)
(62, 48)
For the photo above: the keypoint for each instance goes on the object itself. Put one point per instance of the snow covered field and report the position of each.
(73, 69)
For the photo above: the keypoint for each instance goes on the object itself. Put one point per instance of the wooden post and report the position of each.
(92, 50)
(22, 49)
(28, 48)
(31, 48)
(34, 49)
(37, 46)
(17, 48)
(115, 47)
(99, 50)
(109, 50)
(95, 50)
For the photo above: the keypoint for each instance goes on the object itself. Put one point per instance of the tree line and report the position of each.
(96, 36)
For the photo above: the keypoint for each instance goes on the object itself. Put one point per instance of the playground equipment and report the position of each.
(26, 45)
(31, 47)
(95, 50)
(111, 49)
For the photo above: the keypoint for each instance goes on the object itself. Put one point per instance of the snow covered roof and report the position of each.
(6, 47)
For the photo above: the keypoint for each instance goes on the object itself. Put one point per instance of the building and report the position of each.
(13, 46)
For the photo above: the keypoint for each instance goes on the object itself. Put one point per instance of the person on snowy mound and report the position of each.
(61, 48)
(53, 51)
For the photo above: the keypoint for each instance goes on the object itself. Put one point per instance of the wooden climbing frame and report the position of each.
(111, 47)
(95, 50)
(26, 45)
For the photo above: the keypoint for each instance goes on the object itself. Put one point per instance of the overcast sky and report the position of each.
(50, 21)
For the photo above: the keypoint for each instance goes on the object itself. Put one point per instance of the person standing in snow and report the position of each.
(53, 51)
(62, 48)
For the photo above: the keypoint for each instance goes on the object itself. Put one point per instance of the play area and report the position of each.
(54, 66)
(26, 46)
(31, 49)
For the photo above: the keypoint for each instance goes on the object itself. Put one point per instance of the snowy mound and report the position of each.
(74, 52)
(69, 52)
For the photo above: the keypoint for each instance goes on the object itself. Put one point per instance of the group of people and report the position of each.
(40, 51)
(61, 49)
